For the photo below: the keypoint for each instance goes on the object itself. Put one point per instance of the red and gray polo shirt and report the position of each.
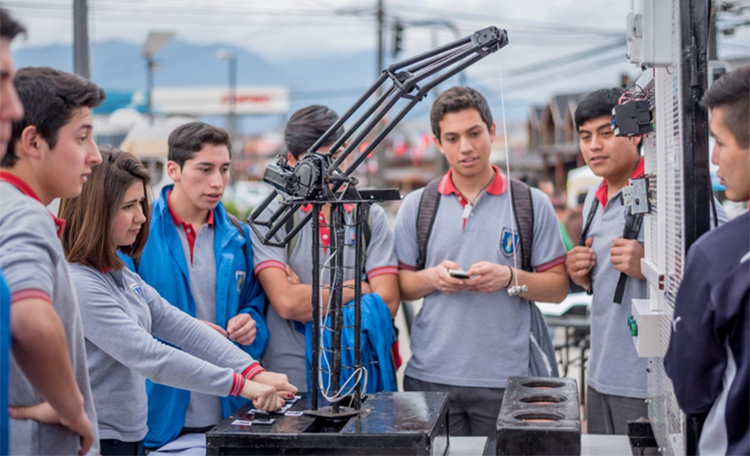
(34, 266)
(470, 338)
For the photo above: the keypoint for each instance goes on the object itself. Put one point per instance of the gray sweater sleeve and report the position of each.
(174, 326)
(119, 327)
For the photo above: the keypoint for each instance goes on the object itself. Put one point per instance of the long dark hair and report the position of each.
(87, 236)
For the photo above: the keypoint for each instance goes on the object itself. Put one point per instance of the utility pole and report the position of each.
(81, 38)
(231, 59)
(712, 35)
(380, 24)
(150, 68)
(154, 43)
(379, 151)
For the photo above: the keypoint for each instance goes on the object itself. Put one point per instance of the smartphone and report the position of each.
(459, 274)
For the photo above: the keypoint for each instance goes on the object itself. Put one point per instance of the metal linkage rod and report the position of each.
(444, 62)
(317, 176)
(336, 308)
(315, 308)
(363, 214)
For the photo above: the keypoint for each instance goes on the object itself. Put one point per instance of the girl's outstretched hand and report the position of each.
(264, 397)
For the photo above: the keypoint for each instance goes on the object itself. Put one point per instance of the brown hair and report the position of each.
(306, 126)
(87, 236)
(188, 139)
(457, 99)
(50, 98)
(9, 27)
(731, 93)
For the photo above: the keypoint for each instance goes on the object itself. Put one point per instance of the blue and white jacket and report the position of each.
(4, 362)
(163, 266)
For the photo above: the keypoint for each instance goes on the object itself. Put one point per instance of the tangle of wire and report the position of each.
(360, 373)
(631, 94)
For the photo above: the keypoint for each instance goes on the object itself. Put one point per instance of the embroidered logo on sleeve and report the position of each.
(138, 290)
(508, 241)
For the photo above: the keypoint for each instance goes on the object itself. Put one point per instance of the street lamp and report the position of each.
(231, 58)
(154, 43)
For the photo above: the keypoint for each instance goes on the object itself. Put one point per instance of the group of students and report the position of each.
(132, 325)
(77, 377)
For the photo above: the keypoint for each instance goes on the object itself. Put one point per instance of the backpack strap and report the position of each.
(633, 224)
(632, 228)
(589, 219)
(367, 233)
(291, 222)
(428, 206)
(523, 210)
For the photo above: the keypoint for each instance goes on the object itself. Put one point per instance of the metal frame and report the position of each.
(677, 156)
(316, 179)
(316, 176)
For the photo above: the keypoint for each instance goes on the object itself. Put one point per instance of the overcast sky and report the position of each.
(555, 45)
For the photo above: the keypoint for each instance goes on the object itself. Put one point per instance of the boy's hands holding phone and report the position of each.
(483, 277)
(458, 273)
(488, 277)
(443, 281)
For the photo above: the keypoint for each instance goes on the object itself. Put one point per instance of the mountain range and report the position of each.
(334, 80)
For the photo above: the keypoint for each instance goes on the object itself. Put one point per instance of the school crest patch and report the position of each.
(351, 236)
(239, 277)
(508, 241)
(136, 287)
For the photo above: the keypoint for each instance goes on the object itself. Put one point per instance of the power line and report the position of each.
(230, 11)
(561, 75)
(171, 16)
(568, 59)
(504, 20)
(165, 8)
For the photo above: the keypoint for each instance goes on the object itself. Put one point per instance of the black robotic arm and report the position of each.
(317, 176)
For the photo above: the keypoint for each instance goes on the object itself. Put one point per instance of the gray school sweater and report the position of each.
(122, 317)
(32, 260)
